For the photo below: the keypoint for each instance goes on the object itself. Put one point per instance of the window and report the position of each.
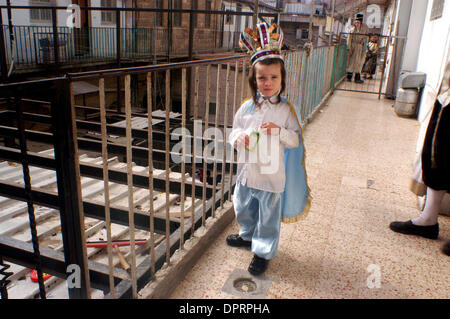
(41, 15)
(208, 16)
(177, 15)
(228, 17)
(305, 33)
(108, 17)
(301, 34)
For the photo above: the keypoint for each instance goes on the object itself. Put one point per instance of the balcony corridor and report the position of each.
(359, 163)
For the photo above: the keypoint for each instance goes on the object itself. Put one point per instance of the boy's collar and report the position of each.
(274, 99)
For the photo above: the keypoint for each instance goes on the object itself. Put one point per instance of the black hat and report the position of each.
(359, 17)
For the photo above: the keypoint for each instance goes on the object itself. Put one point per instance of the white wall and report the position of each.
(96, 16)
(433, 54)
(21, 17)
(415, 29)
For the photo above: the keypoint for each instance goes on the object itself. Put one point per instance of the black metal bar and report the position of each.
(169, 29)
(53, 262)
(118, 58)
(84, 124)
(139, 153)
(5, 88)
(28, 195)
(150, 68)
(118, 37)
(69, 192)
(3, 62)
(244, 13)
(91, 208)
(120, 216)
(4, 279)
(55, 36)
(123, 289)
(95, 171)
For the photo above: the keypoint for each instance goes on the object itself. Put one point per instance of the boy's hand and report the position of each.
(242, 140)
(270, 128)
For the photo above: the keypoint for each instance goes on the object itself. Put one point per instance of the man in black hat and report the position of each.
(356, 43)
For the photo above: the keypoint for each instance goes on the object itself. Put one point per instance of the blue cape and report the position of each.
(296, 196)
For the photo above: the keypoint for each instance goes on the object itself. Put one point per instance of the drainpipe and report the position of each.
(311, 17)
(332, 23)
(169, 29)
(255, 19)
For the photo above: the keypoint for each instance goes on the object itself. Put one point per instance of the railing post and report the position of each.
(330, 40)
(118, 37)
(311, 18)
(55, 36)
(190, 56)
(169, 30)
(69, 189)
(3, 63)
(118, 57)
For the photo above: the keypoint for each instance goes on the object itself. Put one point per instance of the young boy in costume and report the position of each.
(264, 194)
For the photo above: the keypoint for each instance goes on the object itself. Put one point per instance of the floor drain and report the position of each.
(241, 284)
(244, 285)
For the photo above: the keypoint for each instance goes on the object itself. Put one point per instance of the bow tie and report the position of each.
(274, 99)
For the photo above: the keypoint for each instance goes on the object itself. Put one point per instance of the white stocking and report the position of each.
(430, 212)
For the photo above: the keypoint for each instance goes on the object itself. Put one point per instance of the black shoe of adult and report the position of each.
(446, 248)
(358, 78)
(408, 228)
(237, 241)
(258, 265)
(349, 76)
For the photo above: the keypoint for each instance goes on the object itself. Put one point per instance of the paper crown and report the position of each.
(263, 43)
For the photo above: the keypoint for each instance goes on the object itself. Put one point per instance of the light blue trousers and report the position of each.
(259, 214)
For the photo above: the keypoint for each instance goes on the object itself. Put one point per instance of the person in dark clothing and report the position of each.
(435, 169)
(370, 64)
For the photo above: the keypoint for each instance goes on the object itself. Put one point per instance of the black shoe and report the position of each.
(408, 228)
(370, 78)
(237, 241)
(349, 76)
(358, 78)
(446, 248)
(258, 266)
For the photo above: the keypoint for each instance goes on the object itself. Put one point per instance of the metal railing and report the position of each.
(312, 75)
(57, 45)
(159, 174)
(34, 45)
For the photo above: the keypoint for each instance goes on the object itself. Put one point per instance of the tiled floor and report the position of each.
(359, 162)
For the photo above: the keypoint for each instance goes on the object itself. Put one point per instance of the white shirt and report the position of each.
(262, 165)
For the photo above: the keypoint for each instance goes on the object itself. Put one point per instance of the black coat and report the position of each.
(436, 150)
